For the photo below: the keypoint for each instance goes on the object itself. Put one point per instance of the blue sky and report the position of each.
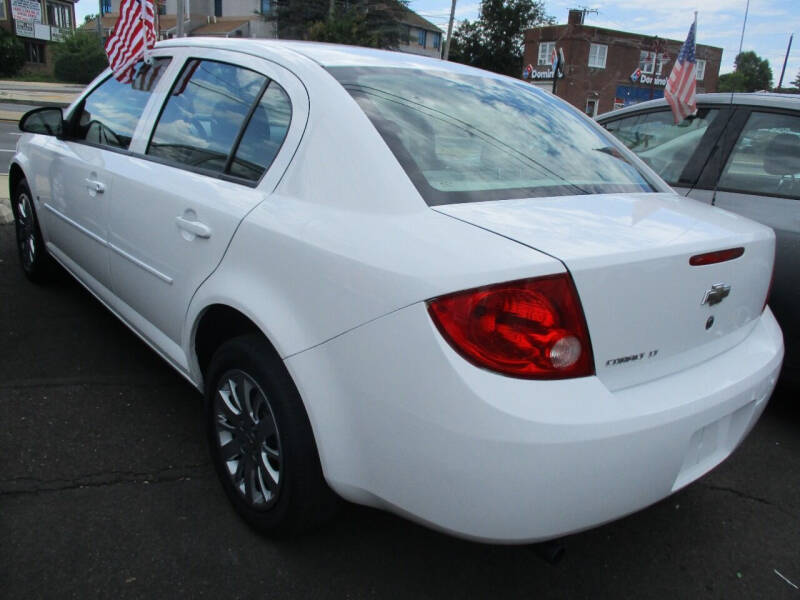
(719, 23)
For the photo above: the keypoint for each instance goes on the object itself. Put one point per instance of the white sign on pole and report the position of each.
(41, 32)
(26, 10)
(24, 29)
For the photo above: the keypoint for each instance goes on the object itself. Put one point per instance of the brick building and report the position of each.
(38, 24)
(607, 69)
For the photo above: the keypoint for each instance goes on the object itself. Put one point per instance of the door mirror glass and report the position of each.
(47, 121)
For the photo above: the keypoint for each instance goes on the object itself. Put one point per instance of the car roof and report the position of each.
(328, 55)
(766, 99)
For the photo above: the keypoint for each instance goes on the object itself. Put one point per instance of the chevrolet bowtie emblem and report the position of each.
(717, 293)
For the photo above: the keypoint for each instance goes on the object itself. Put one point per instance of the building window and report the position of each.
(436, 38)
(266, 7)
(59, 15)
(597, 55)
(545, 50)
(701, 69)
(647, 61)
(3, 15)
(107, 7)
(217, 8)
(422, 37)
(162, 7)
(34, 52)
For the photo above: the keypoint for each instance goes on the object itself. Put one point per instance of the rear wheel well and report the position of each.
(219, 324)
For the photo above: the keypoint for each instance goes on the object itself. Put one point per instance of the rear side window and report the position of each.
(468, 138)
(207, 108)
(766, 158)
(264, 134)
(108, 116)
(658, 141)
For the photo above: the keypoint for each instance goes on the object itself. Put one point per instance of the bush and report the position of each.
(79, 58)
(12, 54)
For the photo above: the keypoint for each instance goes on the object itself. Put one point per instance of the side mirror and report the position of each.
(47, 121)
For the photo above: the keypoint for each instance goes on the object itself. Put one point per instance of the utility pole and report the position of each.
(100, 21)
(449, 30)
(181, 10)
(783, 70)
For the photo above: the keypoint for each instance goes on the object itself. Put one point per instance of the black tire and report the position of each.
(297, 498)
(36, 263)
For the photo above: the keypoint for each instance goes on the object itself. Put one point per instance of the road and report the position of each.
(9, 132)
(106, 491)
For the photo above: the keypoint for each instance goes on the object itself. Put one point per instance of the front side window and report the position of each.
(545, 50)
(766, 158)
(664, 146)
(597, 55)
(467, 138)
(700, 73)
(108, 116)
(207, 108)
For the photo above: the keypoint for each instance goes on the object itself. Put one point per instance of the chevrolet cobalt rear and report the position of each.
(406, 283)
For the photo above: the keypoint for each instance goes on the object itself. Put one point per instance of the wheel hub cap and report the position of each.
(248, 439)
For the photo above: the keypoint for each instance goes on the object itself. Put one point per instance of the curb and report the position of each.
(5, 204)
(34, 101)
(10, 115)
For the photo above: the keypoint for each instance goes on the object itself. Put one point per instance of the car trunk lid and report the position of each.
(649, 311)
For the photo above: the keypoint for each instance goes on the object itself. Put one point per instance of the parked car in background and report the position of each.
(421, 286)
(742, 153)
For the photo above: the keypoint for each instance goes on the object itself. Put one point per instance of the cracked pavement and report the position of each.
(106, 491)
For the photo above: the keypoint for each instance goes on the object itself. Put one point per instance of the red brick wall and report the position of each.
(582, 82)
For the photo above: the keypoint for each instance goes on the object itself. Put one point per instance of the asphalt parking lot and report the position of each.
(106, 491)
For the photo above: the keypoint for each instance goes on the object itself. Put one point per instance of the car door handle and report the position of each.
(95, 186)
(196, 227)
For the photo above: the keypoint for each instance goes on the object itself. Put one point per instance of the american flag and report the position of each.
(682, 85)
(134, 33)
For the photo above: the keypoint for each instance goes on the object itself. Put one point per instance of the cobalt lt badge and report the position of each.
(717, 293)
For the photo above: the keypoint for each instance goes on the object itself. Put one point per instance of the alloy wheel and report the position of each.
(248, 439)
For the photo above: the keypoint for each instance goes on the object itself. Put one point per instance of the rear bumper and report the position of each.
(403, 422)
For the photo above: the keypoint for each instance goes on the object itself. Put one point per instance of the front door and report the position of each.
(80, 175)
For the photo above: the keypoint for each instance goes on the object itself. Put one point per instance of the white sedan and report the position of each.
(406, 283)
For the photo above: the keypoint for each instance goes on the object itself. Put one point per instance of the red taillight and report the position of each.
(710, 258)
(533, 328)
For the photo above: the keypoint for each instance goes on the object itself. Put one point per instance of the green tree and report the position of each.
(796, 82)
(494, 41)
(79, 58)
(752, 73)
(374, 23)
(89, 17)
(12, 54)
(731, 82)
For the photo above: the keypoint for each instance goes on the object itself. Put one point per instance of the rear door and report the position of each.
(225, 133)
(760, 179)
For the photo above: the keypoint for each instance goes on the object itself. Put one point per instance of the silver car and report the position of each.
(741, 152)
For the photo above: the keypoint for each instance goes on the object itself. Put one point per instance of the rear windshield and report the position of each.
(466, 138)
